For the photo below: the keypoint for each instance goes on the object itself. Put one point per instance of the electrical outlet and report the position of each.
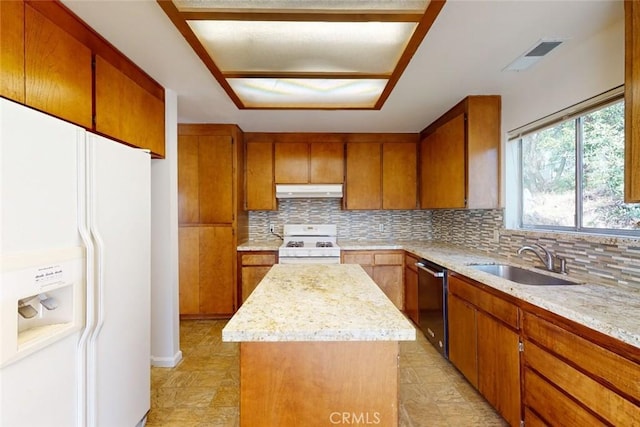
(381, 227)
(272, 228)
(496, 236)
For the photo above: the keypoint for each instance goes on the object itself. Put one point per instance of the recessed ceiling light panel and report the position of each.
(313, 54)
(321, 93)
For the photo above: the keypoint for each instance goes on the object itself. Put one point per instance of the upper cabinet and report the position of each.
(124, 110)
(632, 101)
(58, 74)
(309, 159)
(12, 50)
(381, 173)
(460, 156)
(54, 62)
(259, 176)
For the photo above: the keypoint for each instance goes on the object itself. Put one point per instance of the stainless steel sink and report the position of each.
(520, 275)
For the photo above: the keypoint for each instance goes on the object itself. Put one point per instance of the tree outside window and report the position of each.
(573, 174)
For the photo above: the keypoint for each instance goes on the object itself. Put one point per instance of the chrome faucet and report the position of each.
(546, 257)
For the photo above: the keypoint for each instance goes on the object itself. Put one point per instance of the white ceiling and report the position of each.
(463, 53)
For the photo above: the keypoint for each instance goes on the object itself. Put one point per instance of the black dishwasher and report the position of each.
(432, 304)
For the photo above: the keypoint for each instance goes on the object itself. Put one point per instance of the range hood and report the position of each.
(308, 191)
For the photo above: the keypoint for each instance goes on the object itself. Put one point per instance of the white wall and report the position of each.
(566, 77)
(165, 316)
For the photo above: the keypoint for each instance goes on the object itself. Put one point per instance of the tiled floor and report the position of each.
(202, 391)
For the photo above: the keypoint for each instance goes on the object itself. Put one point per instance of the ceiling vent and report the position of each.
(533, 55)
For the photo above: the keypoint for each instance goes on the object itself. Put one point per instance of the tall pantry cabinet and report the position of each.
(211, 218)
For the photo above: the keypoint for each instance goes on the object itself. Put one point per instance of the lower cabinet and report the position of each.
(252, 267)
(484, 344)
(411, 288)
(207, 265)
(572, 380)
(385, 268)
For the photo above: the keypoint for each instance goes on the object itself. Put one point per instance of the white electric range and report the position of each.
(309, 244)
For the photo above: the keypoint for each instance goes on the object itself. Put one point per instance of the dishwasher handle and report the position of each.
(421, 266)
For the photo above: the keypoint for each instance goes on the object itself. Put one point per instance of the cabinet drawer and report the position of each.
(611, 368)
(589, 392)
(387, 259)
(553, 405)
(496, 307)
(361, 258)
(258, 259)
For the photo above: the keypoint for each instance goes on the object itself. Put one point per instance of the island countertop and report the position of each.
(318, 302)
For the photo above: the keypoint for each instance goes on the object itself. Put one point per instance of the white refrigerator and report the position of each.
(75, 275)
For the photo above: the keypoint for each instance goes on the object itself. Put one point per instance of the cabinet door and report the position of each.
(292, 163)
(389, 279)
(215, 179)
(463, 338)
(188, 209)
(327, 162)
(632, 102)
(399, 176)
(259, 178)
(58, 74)
(499, 367)
(216, 264)
(126, 111)
(411, 294)
(251, 277)
(12, 49)
(189, 264)
(442, 161)
(363, 176)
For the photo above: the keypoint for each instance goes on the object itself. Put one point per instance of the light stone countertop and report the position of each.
(259, 245)
(612, 310)
(315, 302)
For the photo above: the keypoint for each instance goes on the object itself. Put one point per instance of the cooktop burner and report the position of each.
(324, 244)
(295, 244)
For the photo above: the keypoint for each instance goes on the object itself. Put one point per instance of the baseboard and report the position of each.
(166, 362)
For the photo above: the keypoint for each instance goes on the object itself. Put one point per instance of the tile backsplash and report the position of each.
(352, 225)
(614, 260)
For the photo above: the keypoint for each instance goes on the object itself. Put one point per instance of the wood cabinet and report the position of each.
(317, 162)
(290, 158)
(126, 111)
(463, 337)
(411, 287)
(12, 49)
(205, 179)
(484, 344)
(632, 101)
(207, 279)
(252, 267)
(460, 156)
(363, 186)
(381, 173)
(52, 61)
(259, 176)
(58, 71)
(385, 268)
(211, 218)
(572, 379)
(326, 162)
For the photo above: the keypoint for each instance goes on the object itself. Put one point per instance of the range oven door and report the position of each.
(432, 304)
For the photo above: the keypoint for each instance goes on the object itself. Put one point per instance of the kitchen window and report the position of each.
(571, 170)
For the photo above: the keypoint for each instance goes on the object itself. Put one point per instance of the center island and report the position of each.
(318, 347)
